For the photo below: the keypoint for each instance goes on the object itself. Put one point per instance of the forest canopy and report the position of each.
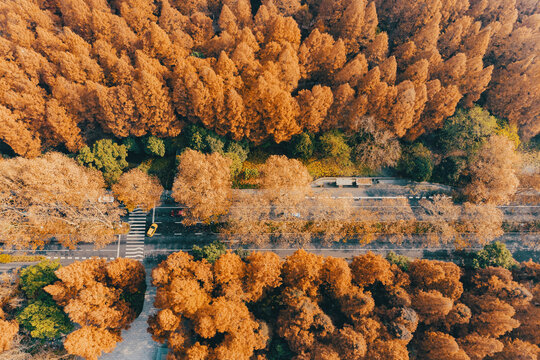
(315, 307)
(72, 71)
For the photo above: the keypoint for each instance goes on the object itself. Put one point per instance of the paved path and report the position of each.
(137, 343)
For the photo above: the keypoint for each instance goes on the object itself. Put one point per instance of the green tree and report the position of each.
(106, 156)
(301, 146)
(213, 144)
(200, 139)
(195, 137)
(467, 130)
(132, 145)
(449, 170)
(210, 252)
(333, 145)
(238, 154)
(34, 278)
(494, 254)
(154, 146)
(416, 163)
(401, 261)
(44, 320)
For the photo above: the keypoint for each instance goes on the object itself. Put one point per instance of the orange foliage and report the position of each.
(327, 308)
(139, 67)
(94, 294)
(136, 188)
(203, 184)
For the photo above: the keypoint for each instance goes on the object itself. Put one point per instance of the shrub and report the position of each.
(132, 145)
(494, 254)
(416, 163)
(250, 173)
(467, 130)
(449, 170)
(44, 320)
(238, 154)
(210, 252)
(401, 261)
(106, 156)
(332, 144)
(34, 278)
(154, 146)
(301, 146)
(5, 258)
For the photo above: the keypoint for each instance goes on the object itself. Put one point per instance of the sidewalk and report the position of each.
(138, 344)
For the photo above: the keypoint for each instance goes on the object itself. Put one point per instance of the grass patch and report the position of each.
(8, 258)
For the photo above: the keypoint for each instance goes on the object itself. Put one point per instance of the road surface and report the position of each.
(172, 236)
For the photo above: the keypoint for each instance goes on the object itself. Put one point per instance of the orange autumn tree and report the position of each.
(54, 196)
(203, 184)
(9, 300)
(316, 307)
(103, 298)
(265, 71)
(493, 173)
(204, 307)
(137, 188)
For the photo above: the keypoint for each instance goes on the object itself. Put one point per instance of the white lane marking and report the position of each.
(198, 234)
(177, 234)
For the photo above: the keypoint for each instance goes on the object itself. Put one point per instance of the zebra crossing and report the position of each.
(135, 237)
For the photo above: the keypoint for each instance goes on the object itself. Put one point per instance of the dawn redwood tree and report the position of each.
(91, 342)
(103, 298)
(137, 188)
(203, 184)
(54, 196)
(325, 308)
(250, 71)
(208, 304)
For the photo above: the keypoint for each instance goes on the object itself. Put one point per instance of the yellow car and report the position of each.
(151, 230)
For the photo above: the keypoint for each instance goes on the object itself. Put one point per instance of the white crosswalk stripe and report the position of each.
(136, 235)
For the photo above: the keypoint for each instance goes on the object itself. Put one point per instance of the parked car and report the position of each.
(179, 212)
(151, 230)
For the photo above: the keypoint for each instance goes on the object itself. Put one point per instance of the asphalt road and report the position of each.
(172, 236)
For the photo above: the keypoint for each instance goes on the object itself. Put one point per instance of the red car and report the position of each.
(177, 212)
